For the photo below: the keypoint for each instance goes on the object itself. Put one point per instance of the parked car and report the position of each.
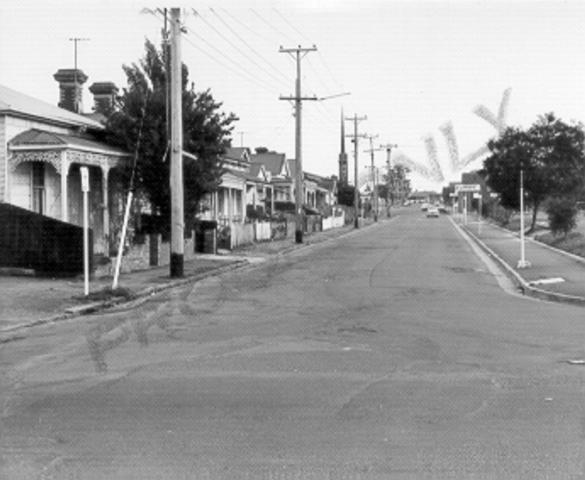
(432, 212)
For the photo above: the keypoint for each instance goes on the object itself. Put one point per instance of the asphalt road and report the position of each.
(393, 352)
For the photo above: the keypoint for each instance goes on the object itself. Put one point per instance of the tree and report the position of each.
(383, 191)
(550, 154)
(562, 215)
(397, 185)
(138, 124)
(345, 194)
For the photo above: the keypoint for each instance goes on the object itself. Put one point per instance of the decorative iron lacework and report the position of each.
(52, 157)
(105, 162)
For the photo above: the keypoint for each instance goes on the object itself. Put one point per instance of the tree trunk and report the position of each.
(534, 213)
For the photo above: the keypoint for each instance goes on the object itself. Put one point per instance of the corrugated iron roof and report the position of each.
(36, 137)
(273, 162)
(15, 102)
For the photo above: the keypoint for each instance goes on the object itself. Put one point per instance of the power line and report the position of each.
(322, 58)
(319, 78)
(241, 72)
(271, 26)
(233, 45)
(292, 26)
(319, 54)
(244, 25)
(246, 43)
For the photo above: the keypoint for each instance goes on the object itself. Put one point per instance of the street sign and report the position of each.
(467, 187)
(84, 179)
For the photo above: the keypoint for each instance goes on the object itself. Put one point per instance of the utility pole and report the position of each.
(298, 53)
(355, 119)
(388, 147)
(167, 60)
(75, 41)
(374, 186)
(176, 177)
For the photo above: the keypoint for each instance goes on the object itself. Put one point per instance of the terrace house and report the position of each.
(43, 149)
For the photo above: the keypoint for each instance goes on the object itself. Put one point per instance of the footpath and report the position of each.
(551, 274)
(26, 301)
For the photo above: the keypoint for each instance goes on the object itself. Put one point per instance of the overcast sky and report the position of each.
(411, 67)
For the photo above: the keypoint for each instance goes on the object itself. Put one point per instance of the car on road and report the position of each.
(432, 212)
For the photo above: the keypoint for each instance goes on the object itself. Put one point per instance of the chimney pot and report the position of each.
(71, 88)
(103, 96)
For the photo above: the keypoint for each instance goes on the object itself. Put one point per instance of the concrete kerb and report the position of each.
(93, 307)
(542, 244)
(320, 240)
(524, 287)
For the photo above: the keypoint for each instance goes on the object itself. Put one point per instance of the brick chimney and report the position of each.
(71, 88)
(104, 94)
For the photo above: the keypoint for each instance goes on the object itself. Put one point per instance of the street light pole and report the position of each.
(522, 263)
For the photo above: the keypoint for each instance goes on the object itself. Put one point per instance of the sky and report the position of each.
(410, 67)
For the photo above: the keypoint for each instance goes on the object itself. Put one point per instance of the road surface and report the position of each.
(392, 352)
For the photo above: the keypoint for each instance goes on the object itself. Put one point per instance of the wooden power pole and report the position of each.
(389, 183)
(176, 177)
(373, 176)
(356, 195)
(298, 53)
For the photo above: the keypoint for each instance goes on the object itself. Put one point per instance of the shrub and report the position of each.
(562, 215)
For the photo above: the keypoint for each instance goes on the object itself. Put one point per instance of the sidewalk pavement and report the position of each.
(552, 274)
(27, 300)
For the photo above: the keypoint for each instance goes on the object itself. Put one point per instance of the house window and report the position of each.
(38, 187)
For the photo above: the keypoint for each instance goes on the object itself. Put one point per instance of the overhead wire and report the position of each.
(271, 26)
(245, 26)
(292, 26)
(242, 72)
(236, 68)
(319, 54)
(243, 40)
(187, 29)
(237, 48)
(322, 58)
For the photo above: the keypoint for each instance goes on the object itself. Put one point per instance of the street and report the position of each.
(391, 352)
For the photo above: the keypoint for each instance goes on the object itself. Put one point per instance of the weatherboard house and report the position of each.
(43, 148)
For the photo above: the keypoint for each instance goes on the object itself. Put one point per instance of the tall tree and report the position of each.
(551, 155)
(138, 123)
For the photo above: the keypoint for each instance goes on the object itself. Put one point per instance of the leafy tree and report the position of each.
(562, 215)
(551, 156)
(345, 195)
(138, 123)
(398, 186)
(383, 191)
